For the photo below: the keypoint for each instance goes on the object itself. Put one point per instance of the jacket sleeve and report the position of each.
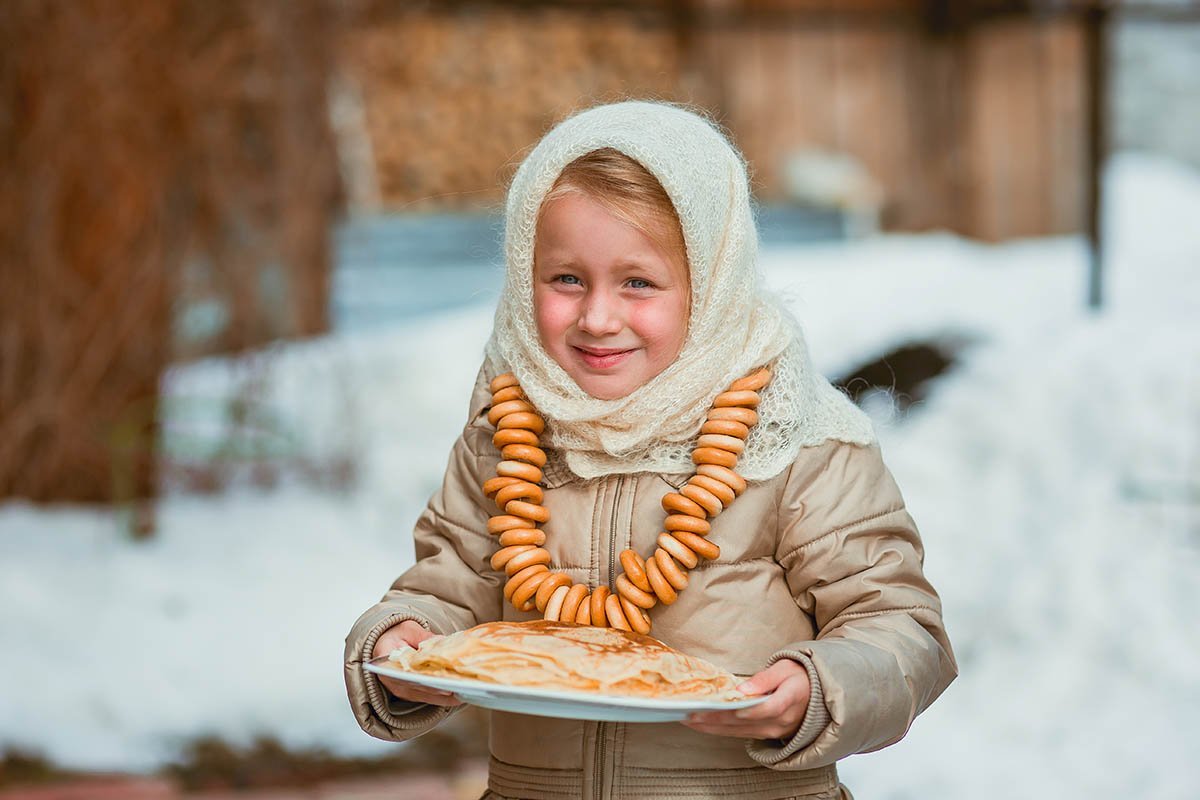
(450, 588)
(853, 560)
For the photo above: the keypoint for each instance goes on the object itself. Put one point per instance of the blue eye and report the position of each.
(570, 280)
(638, 283)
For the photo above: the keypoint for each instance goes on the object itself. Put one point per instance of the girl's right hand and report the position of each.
(409, 634)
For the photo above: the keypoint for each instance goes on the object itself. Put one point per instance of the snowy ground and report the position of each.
(1055, 474)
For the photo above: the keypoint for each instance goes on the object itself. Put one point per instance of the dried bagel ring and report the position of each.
(514, 582)
(583, 614)
(509, 436)
(670, 570)
(633, 594)
(532, 536)
(638, 619)
(752, 382)
(522, 419)
(493, 485)
(635, 568)
(521, 490)
(663, 589)
(599, 596)
(723, 491)
(746, 416)
(677, 549)
(741, 399)
(506, 394)
(519, 561)
(519, 469)
(522, 598)
(712, 455)
(711, 503)
(502, 382)
(682, 522)
(614, 614)
(725, 475)
(675, 502)
(524, 452)
(555, 603)
(722, 442)
(547, 588)
(505, 522)
(508, 407)
(530, 511)
(506, 554)
(698, 545)
(728, 427)
(575, 596)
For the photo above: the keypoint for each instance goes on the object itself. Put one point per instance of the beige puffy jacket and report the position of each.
(821, 564)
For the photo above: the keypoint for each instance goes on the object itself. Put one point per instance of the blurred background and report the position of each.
(249, 253)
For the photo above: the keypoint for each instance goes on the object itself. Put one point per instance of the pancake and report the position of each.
(566, 656)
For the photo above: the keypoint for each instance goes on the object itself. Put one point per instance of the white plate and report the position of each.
(557, 703)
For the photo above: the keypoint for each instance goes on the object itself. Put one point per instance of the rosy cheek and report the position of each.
(661, 323)
(554, 314)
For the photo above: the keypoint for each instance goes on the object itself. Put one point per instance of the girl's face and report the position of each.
(611, 304)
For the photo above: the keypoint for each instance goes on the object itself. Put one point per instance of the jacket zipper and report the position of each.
(612, 532)
(602, 727)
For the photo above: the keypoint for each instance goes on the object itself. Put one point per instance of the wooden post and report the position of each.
(1096, 35)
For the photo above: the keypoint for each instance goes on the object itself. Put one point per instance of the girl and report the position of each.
(631, 304)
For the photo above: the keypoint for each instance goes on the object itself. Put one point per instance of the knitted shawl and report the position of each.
(734, 326)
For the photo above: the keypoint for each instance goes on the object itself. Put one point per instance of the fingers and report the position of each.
(409, 634)
(776, 706)
(777, 717)
(413, 633)
(770, 678)
(406, 634)
(419, 694)
(732, 726)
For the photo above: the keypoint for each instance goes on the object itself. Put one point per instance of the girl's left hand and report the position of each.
(777, 717)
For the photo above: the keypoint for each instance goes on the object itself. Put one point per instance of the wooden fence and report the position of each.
(972, 124)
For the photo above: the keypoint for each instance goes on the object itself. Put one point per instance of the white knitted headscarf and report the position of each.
(734, 326)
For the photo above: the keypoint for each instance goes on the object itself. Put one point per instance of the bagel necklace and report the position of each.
(644, 582)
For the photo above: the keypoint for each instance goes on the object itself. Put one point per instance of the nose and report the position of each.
(601, 314)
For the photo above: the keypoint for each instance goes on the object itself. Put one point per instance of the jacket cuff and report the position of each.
(772, 752)
(383, 715)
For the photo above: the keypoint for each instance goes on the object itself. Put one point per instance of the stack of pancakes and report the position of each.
(565, 656)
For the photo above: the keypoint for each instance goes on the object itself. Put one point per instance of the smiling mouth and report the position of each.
(601, 359)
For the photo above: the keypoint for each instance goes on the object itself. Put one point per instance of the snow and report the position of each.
(1055, 473)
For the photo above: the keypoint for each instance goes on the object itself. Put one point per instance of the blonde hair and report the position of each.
(629, 192)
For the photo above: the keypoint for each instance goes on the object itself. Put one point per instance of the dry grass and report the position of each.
(211, 763)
